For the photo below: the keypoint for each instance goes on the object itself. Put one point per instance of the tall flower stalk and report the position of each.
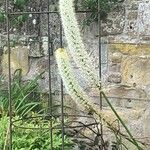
(83, 100)
(83, 61)
(75, 90)
(75, 43)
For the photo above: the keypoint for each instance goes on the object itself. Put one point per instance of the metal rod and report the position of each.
(100, 50)
(62, 114)
(9, 76)
(129, 98)
(100, 70)
(138, 44)
(62, 92)
(58, 115)
(59, 127)
(50, 102)
(45, 12)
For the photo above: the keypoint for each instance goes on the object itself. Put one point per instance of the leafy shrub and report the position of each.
(29, 134)
(16, 20)
(3, 130)
(2, 16)
(106, 6)
(23, 101)
(34, 138)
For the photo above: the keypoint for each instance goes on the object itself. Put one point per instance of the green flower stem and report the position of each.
(83, 61)
(122, 122)
(77, 93)
(83, 100)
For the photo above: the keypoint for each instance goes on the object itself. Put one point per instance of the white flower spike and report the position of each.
(74, 40)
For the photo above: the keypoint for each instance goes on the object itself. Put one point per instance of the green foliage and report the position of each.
(20, 3)
(106, 6)
(2, 16)
(18, 21)
(28, 134)
(37, 137)
(23, 101)
(3, 130)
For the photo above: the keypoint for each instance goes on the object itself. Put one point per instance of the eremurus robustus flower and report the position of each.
(75, 90)
(75, 43)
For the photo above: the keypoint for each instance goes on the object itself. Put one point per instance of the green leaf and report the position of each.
(2, 17)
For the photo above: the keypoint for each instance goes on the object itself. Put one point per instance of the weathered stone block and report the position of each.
(136, 71)
(116, 57)
(19, 60)
(146, 124)
(130, 49)
(114, 23)
(132, 15)
(35, 47)
(44, 46)
(143, 22)
(114, 67)
(127, 97)
(114, 78)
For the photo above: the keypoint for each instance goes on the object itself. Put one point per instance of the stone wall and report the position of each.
(129, 65)
(125, 58)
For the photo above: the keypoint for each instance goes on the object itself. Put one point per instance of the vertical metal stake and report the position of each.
(62, 93)
(50, 102)
(100, 68)
(9, 76)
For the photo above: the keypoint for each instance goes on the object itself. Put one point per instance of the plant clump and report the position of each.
(83, 61)
(106, 6)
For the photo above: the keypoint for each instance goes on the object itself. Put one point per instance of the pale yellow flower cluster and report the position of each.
(83, 61)
(75, 43)
(75, 90)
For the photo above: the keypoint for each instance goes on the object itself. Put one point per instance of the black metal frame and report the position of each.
(50, 102)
